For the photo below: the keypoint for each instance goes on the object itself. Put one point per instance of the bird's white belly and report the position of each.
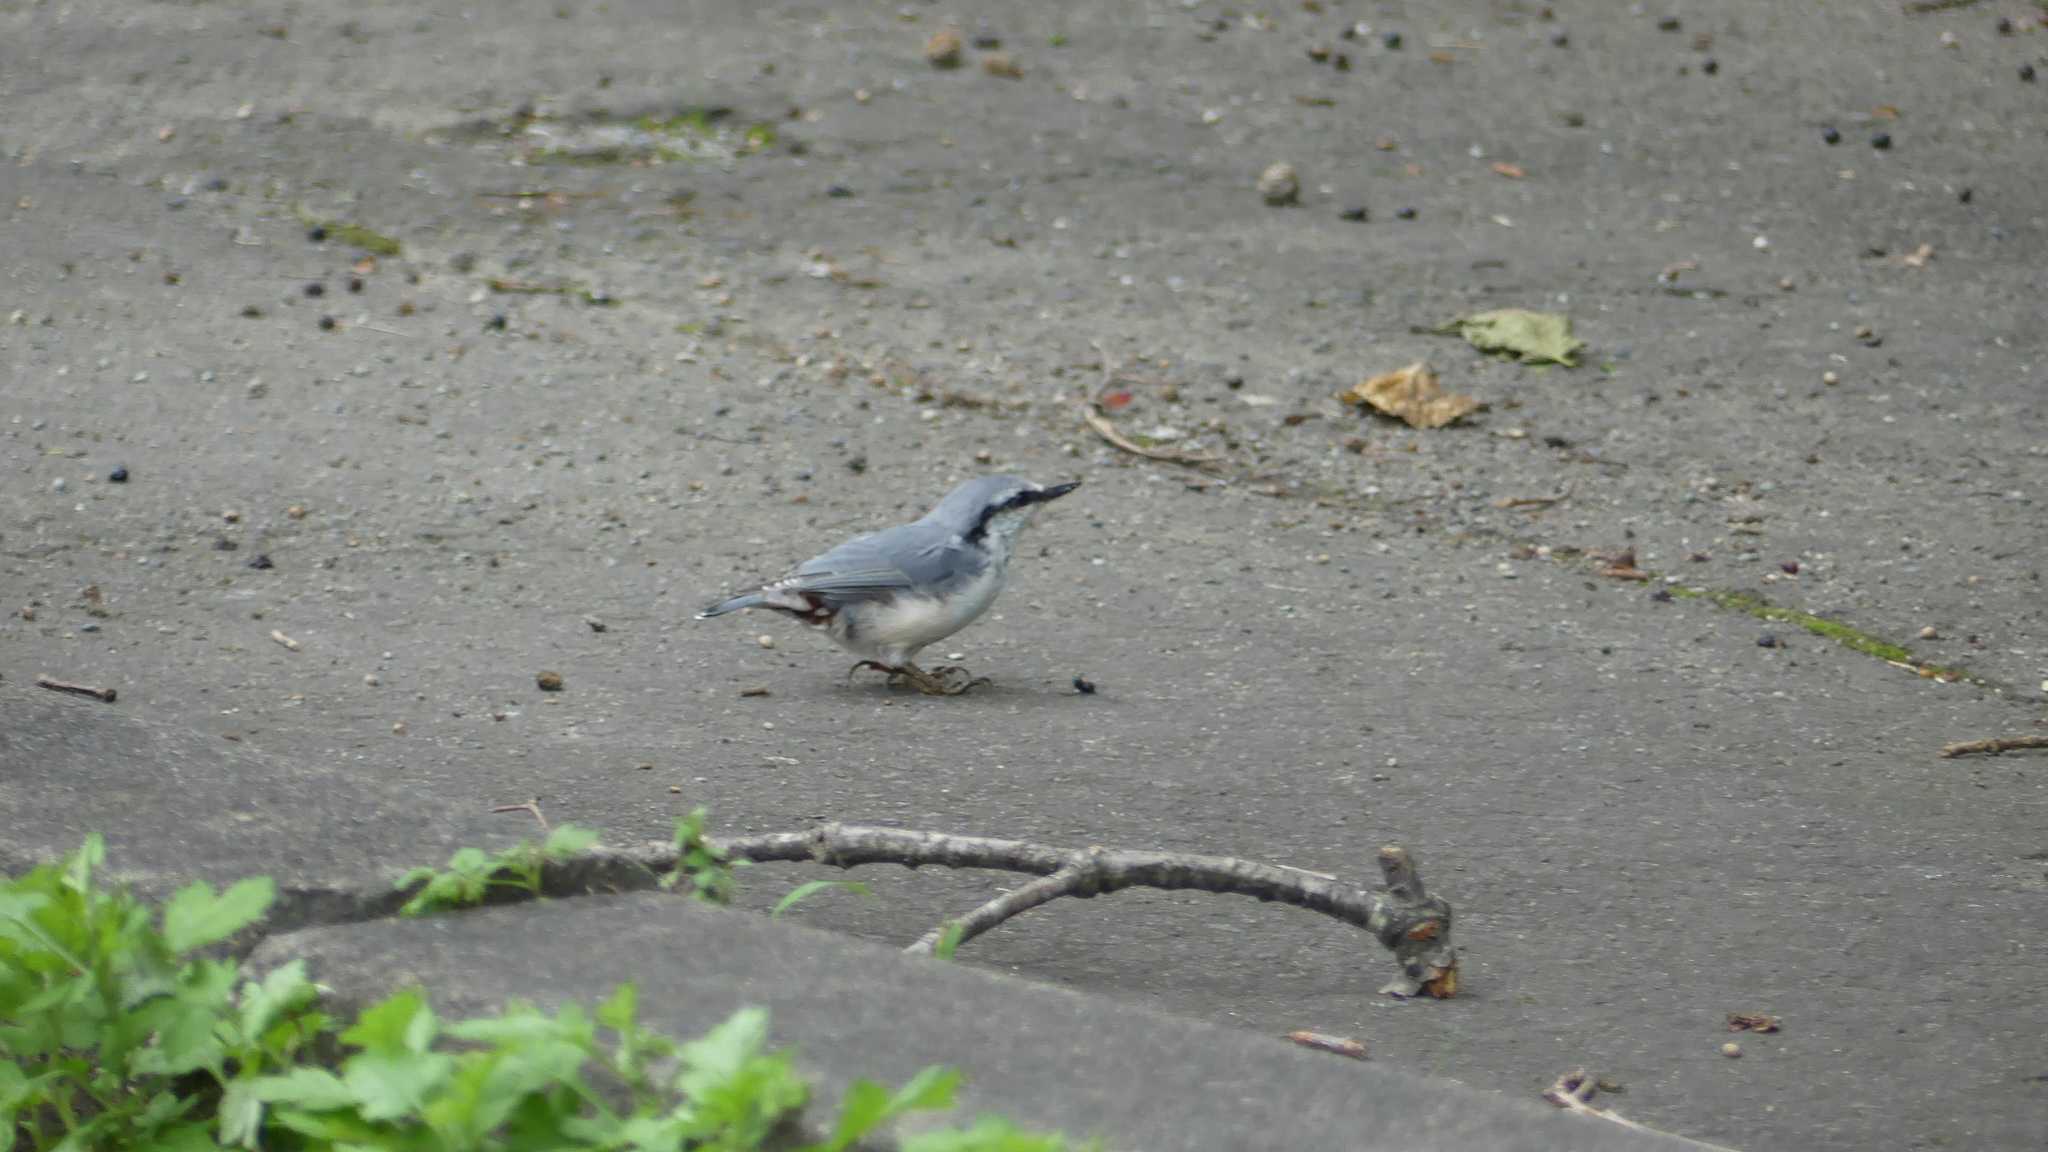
(892, 632)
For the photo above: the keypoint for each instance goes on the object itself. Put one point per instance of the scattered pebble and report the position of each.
(296, 512)
(1790, 567)
(1830, 135)
(289, 644)
(317, 234)
(943, 49)
(261, 562)
(496, 323)
(1355, 215)
(1405, 213)
(1731, 1049)
(316, 290)
(1000, 64)
(1710, 66)
(756, 690)
(1930, 633)
(549, 681)
(398, 728)
(1882, 141)
(1767, 640)
(1279, 185)
(355, 283)
(2026, 73)
(1392, 40)
(371, 679)
(327, 323)
(1561, 38)
(596, 625)
(1830, 378)
(59, 484)
(1669, 24)
(1084, 686)
(839, 192)
(765, 640)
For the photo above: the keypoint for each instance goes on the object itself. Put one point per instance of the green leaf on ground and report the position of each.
(1531, 337)
(196, 917)
(808, 889)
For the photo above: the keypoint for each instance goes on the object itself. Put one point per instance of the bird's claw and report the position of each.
(962, 684)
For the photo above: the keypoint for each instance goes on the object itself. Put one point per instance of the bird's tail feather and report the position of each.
(750, 600)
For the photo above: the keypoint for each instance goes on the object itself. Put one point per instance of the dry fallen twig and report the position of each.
(1574, 1092)
(1534, 502)
(104, 695)
(1407, 921)
(289, 643)
(1108, 431)
(532, 806)
(1341, 1045)
(1992, 747)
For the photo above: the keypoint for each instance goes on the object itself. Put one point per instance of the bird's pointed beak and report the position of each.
(1056, 491)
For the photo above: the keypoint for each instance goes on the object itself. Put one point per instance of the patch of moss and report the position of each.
(357, 236)
(1854, 639)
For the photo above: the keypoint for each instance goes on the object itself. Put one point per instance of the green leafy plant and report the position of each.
(117, 1032)
(702, 863)
(810, 888)
(949, 939)
(472, 873)
(113, 1029)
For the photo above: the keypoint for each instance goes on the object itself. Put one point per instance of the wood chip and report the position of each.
(1340, 1045)
(289, 643)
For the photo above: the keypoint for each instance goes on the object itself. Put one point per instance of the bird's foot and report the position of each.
(953, 680)
(877, 665)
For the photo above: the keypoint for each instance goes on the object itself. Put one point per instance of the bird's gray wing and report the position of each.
(884, 564)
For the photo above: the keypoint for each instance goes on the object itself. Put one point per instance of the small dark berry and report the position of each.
(118, 475)
(2005, 25)
(355, 283)
(1882, 141)
(327, 323)
(1084, 686)
(1791, 567)
(316, 290)
(262, 562)
(1405, 213)
(316, 234)
(496, 323)
(1392, 40)
(1965, 195)
(1710, 66)
(2027, 73)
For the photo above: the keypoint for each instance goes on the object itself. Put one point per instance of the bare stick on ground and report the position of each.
(104, 695)
(532, 806)
(1108, 431)
(1323, 1042)
(1992, 747)
(1413, 925)
(1574, 1092)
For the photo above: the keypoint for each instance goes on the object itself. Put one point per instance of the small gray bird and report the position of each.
(885, 595)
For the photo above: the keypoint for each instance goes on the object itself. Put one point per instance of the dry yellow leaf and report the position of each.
(1411, 394)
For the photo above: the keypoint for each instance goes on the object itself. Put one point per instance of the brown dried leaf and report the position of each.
(1752, 1022)
(1411, 394)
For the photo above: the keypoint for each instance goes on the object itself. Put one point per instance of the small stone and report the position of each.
(296, 512)
(1355, 215)
(317, 234)
(1405, 213)
(2026, 73)
(1710, 66)
(839, 192)
(1084, 686)
(596, 625)
(496, 323)
(1830, 378)
(1965, 195)
(1392, 40)
(2005, 25)
(1560, 38)
(549, 681)
(1789, 567)
(1786, 284)
(399, 728)
(1669, 24)
(231, 516)
(59, 484)
(1882, 141)
(1279, 185)
(1831, 136)
(1000, 64)
(316, 290)
(943, 49)
(765, 640)
(755, 690)
(675, 789)
(261, 562)
(1731, 1049)
(371, 679)
(1767, 640)
(355, 283)
(327, 323)
(1930, 633)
